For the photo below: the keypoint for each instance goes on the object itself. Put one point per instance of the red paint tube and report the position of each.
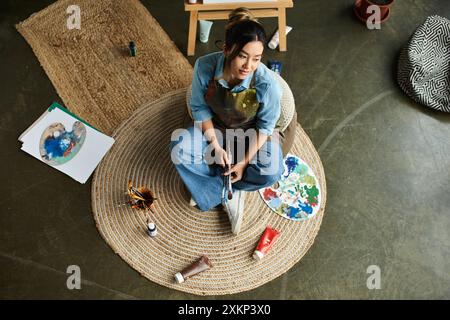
(265, 242)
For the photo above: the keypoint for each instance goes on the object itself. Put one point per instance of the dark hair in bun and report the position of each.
(242, 28)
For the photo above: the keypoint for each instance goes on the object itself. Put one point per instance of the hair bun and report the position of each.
(238, 15)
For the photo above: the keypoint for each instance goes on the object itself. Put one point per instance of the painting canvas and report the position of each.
(65, 142)
(296, 196)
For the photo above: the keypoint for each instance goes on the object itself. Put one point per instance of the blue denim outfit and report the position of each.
(268, 91)
(189, 148)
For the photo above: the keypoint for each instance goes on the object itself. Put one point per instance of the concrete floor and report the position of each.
(386, 159)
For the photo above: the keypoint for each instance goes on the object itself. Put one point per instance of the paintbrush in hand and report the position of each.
(230, 188)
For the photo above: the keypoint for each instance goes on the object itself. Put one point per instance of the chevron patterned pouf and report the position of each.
(424, 64)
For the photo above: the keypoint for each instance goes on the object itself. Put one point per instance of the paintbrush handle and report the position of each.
(230, 187)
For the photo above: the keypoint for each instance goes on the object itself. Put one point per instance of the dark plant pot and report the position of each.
(361, 6)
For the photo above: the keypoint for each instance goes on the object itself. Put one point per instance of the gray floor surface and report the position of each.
(386, 159)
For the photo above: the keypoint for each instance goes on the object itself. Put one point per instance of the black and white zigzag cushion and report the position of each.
(424, 64)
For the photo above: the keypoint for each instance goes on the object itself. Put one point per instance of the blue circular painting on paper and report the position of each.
(296, 196)
(58, 146)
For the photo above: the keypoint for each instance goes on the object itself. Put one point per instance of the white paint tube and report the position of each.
(273, 43)
(205, 28)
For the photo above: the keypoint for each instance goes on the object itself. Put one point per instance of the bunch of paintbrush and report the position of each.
(140, 198)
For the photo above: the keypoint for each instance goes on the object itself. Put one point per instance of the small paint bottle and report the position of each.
(275, 66)
(133, 50)
(151, 229)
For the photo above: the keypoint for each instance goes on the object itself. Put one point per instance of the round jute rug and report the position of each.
(141, 154)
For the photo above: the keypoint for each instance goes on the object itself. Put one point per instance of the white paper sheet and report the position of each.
(81, 166)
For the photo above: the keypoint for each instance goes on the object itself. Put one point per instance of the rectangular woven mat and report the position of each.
(92, 69)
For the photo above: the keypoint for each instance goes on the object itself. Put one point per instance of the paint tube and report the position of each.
(199, 266)
(205, 28)
(273, 43)
(265, 242)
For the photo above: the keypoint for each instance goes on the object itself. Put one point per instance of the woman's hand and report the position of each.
(236, 171)
(221, 156)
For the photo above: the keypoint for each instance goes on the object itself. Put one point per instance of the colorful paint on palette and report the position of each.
(58, 146)
(296, 196)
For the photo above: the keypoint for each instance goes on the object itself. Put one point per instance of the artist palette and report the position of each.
(57, 146)
(296, 196)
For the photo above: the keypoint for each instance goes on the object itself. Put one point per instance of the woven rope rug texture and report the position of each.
(92, 69)
(141, 154)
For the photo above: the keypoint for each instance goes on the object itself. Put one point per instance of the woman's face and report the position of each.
(247, 60)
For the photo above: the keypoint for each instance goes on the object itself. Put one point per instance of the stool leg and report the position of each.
(282, 28)
(192, 33)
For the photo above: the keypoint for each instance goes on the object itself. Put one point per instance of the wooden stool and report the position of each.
(220, 11)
